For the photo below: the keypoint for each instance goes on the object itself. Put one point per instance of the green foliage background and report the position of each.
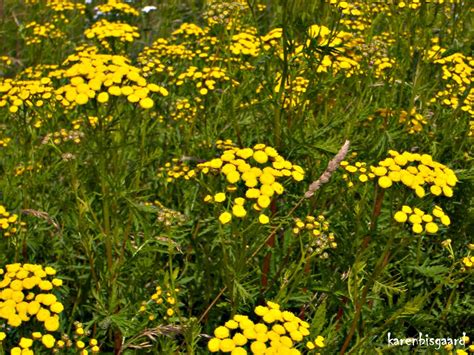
(112, 251)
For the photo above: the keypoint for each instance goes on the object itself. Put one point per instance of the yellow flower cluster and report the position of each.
(358, 169)
(277, 332)
(162, 48)
(245, 43)
(101, 76)
(91, 120)
(29, 167)
(224, 12)
(422, 221)
(412, 120)
(177, 169)
(468, 262)
(25, 296)
(117, 6)
(382, 66)
(4, 142)
(425, 171)
(166, 216)
(63, 136)
(82, 342)
(103, 30)
(5, 61)
(65, 5)
(366, 11)
(150, 64)
(257, 170)
(457, 71)
(317, 228)
(415, 4)
(37, 32)
(413, 170)
(187, 30)
(272, 39)
(342, 57)
(358, 15)
(9, 223)
(184, 111)
(204, 80)
(37, 72)
(31, 93)
(162, 303)
(294, 91)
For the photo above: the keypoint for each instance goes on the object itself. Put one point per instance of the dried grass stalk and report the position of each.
(332, 166)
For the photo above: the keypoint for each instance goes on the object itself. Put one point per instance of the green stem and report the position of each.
(382, 262)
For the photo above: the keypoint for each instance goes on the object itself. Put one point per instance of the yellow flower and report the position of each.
(14, 320)
(400, 217)
(239, 339)
(239, 201)
(146, 103)
(297, 176)
(52, 324)
(379, 171)
(407, 209)
(260, 157)
(417, 228)
(252, 193)
(33, 307)
(385, 182)
(232, 324)
(239, 351)
(227, 345)
(435, 190)
(415, 219)
(263, 219)
(319, 342)
(363, 178)
(420, 191)
(219, 197)
(239, 211)
(25, 343)
(225, 217)
(103, 97)
(445, 220)
(258, 347)
(431, 227)
(263, 201)
(48, 341)
(45, 285)
(56, 307)
(233, 177)
(81, 99)
(267, 179)
(214, 345)
(80, 344)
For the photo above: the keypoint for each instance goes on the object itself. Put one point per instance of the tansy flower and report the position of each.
(219, 197)
(225, 217)
(258, 337)
(48, 341)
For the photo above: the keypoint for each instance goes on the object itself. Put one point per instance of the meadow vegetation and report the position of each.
(242, 177)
